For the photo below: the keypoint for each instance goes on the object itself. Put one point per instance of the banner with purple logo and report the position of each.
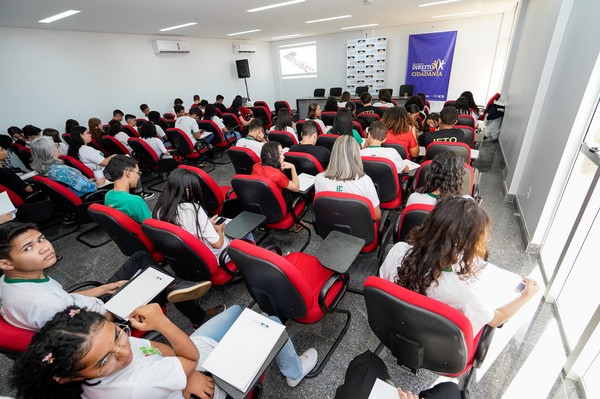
(430, 62)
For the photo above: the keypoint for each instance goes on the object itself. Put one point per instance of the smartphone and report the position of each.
(220, 220)
(521, 287)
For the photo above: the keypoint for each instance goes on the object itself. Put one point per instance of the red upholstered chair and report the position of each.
(243, 159)
(351, 214)
(449, 103)
(491, 101)
(264, 114)
(260, 195)
(214, 196)
(295, 287)
(170, 122)
(22, 152)
(147, 158)
(66, 137)
(401, 149)
(124, 231)
(328, 117)
(184, 146)
(286, 139)
(327, 140)
(423, 333)
(77, 164)
(300, 124)
(358, 127)
(114, 146)
(220, 140)
(385, 177)
(304, 162)
(365, 120)
(130, 131)
(232, 122)
(168, 115)
(263, 104)
(335, 92)
(96, 145)
(412, 216)
(466, 120)
(280, 104)
(438, 147)
(34, 208)
(469, 133)
(187, 255)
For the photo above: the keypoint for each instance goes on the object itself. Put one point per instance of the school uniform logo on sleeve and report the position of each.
(149, 351)
(339, 188)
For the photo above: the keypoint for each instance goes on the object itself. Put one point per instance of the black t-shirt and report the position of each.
(221, 107)
(321, 153)
(10, 180)
(371, 110)
(444, 135)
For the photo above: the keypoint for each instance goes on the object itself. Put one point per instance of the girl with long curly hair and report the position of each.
(444, 178)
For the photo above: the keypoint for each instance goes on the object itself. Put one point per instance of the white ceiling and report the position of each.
(217, 18)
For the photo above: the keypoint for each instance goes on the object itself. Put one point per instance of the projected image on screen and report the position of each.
(298, 62)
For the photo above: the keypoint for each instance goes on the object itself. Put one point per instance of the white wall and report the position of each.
(48, 76)
(474, 57)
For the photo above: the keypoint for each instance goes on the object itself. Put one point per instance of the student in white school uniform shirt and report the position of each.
(345, 173)
(89, 156)
(189, 125)
(149, 135)
(115, 131)
(373, 148)
(256, 137)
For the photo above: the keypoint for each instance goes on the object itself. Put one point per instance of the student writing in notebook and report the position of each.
(81, 354)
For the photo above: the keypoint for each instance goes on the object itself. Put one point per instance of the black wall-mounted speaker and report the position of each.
(243, 69)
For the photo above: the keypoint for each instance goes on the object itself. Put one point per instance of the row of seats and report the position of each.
(405, 90)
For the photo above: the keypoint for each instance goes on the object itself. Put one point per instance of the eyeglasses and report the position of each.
(109, 362)
(135, 171)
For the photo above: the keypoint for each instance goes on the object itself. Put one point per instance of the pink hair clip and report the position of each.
(48, 358)
(73, 312)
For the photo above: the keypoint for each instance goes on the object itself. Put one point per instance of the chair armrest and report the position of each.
(229, 193)
(293, 206)
(95, 196)
(83, 284)
(223, 264)
(484, 344)
(383, 223)
(275, 249)
(36, 196)
(327, 286)
(396, 229)
(385, 239)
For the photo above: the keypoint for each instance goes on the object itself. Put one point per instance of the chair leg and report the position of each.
(307, 238)
(89, 244)
(379, 348)
(468, 380)
(355, 290)
(318, 370)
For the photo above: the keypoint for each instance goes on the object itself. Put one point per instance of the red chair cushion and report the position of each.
(14, 339)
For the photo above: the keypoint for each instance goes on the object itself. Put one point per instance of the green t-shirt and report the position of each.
(133, 206)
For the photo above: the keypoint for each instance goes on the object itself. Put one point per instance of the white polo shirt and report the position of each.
(188, 125)
(384, 152)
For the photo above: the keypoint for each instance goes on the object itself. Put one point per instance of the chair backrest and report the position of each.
(366, 119)
(327, 140)
(22, 152)
(402, 150)
(66, 137)
(466, 120)
(391, 91)
(328, 117)
(319, 93)
(469, 133)
(168, 115)
(220, 139)
(385, 177)
(360, 90)
(260, 195)
(264, 114)
(272, 281)
(189, 258)
(180, 141)
(280, 104)
(242, 159)
(412, 216)
(348, 213)
(212, 195)
(124, 231)
(130, 131)
(438, 147)
(406, 90)
(143, 153)
(139, 122)
(77, 164)
(13, 340)
(232, 122)
(490, 102)
(419, 331)
(335, 91)
(300, 125)
(448, 103)
(263, 104)
(304, 162)
(60, 195)
(358, 127)
(114, 146)
(12, 196)
(285, 138)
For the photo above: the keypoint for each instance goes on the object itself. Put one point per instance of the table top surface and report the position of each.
(243, 224)
(339, 250)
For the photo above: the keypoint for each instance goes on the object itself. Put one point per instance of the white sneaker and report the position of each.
(308, 360)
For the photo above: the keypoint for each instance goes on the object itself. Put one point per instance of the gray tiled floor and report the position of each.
(503, 370)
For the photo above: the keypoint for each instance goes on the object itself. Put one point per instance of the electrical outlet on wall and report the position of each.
(528, 193)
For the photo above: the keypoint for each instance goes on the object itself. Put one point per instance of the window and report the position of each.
(298, 60)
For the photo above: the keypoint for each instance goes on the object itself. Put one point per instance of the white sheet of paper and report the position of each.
(383, 390)
(244, 348)
(6, 205)
(138, 292)
(411, 165)
(498, 285)
(306, 181)
(29, 175)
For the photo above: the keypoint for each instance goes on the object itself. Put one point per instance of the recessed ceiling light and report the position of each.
(241, 33)
(297, 44)
(358, 26)
(457, 14)
(285, 37)
(178, 26)
(438, 3)
(286, 3)
(59, 16)
(329, 19)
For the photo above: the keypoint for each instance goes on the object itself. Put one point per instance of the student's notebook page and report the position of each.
(138, 292)
(306, 181)
(497, 285)
(411, 165)
(6, 205)
(245, 347)
(383, 390)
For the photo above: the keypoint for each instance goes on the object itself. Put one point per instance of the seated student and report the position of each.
(255, 139)
(196, 100)
(345, 173)
(69, 124)
(284, 122)
(30, 298)
(189, 124)
(79, 149)
(385, 99)
(462, 106)
(44, 160)
(145, 109)
(345, 98)
(8, 177)
(54, 135)
(31, 133)
(343, 125)
(125, 174)
(401, 130)
(431, 122)
(443, 179)
(243, 113)
(176, 102)
(130, 121)
(202, 105)
(272, 165)
(219, 103)
(415, 115)
(95, 128)
(161, 126)
(446, 132)
(307, 144)
(115, 131)
(149, 135)
(443, 258)
(118, 115)
(81, 354)
(373, 148)
(331, 104)
(314, 114)
(367, 106)
(210, 114)
(17, 135)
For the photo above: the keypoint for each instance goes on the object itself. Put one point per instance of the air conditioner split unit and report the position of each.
(170, 47)
(243, 48)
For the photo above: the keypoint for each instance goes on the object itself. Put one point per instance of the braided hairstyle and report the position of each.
(55, 352)
(445, 174)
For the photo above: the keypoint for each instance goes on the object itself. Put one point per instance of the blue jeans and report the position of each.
(231, 133)
(287, 359)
